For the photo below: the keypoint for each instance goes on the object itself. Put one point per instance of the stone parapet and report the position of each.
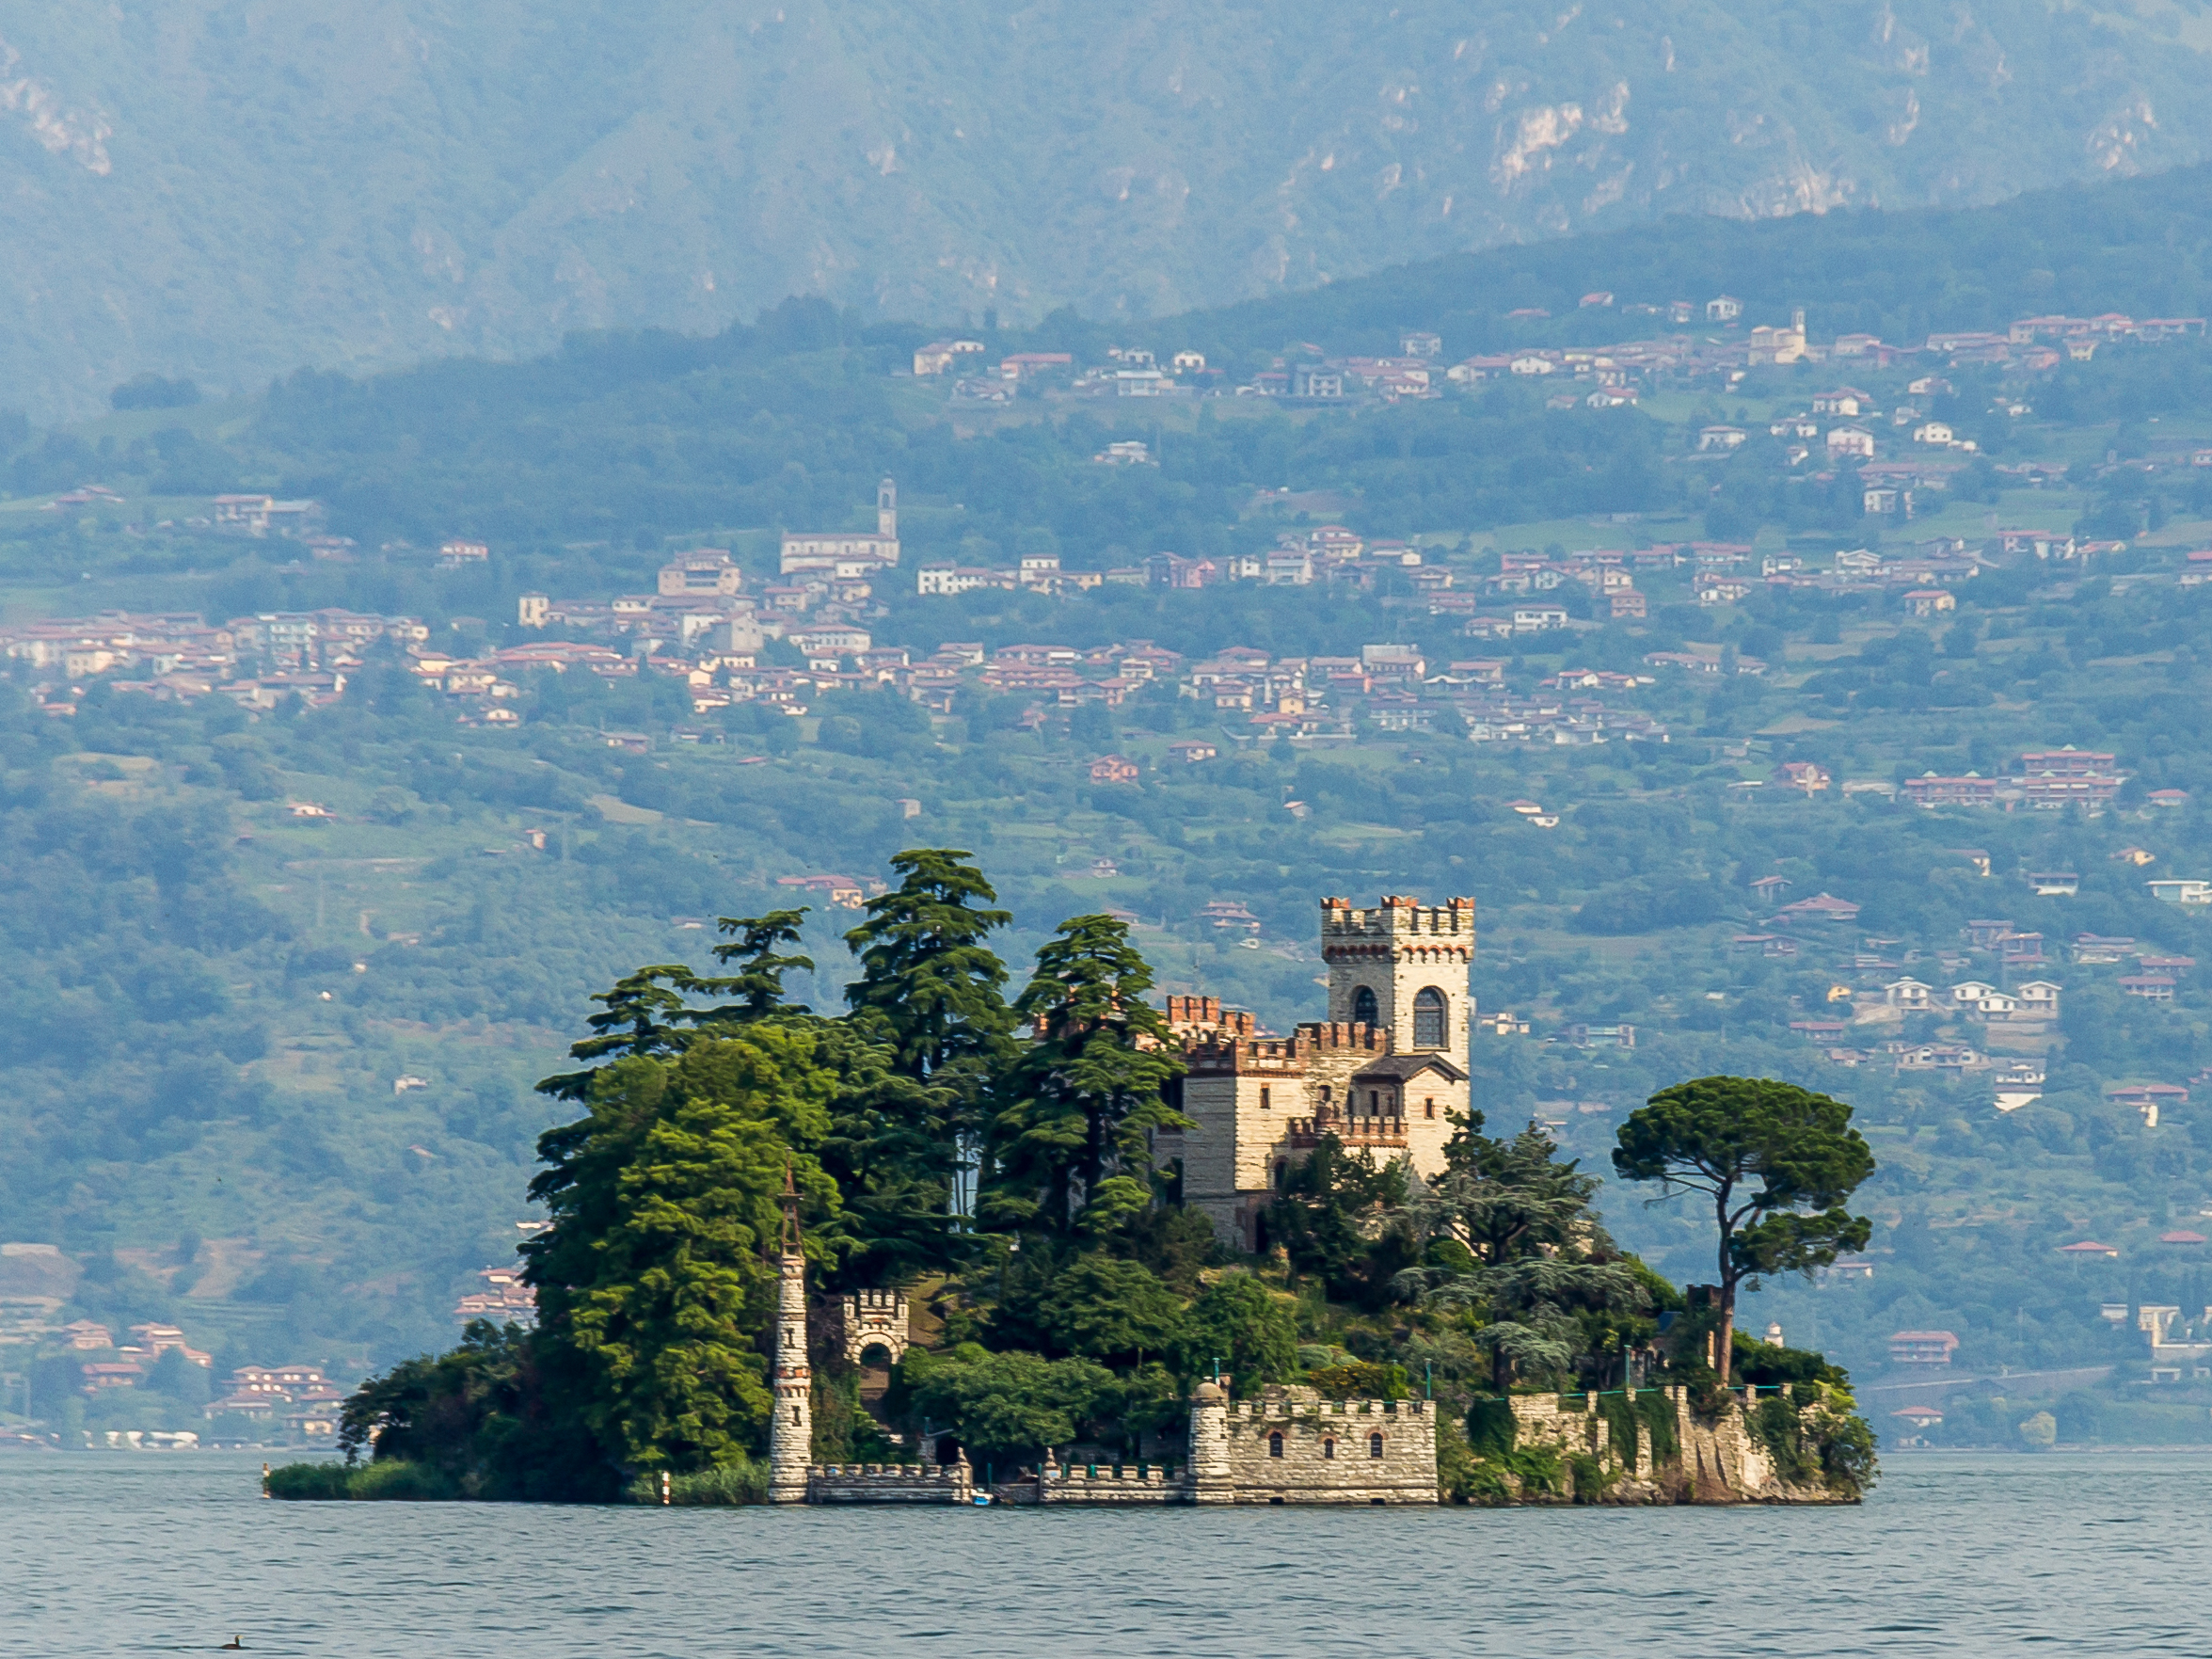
(1082, 1483)
(890, 1483)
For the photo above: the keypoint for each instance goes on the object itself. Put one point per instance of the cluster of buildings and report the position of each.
(298, 1397)
(258, 660)
(1394, 688)
(2048, 780)
(1606, 377)
(504, 1299)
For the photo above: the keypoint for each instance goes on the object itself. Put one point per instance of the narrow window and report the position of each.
(797, 1420)
(1430, 1018)
(1428, 1106)
(1329, 1449)
(1275, 1446)
(1374, 1446)
(1373, 1101)
(1363, 1007)
(1265, 1100)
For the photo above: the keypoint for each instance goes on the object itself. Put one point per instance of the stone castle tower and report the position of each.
(1402, 969)
(790, 1437)
(1386, 1072)
(887, 510)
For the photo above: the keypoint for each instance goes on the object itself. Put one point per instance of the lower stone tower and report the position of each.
(790, 1437)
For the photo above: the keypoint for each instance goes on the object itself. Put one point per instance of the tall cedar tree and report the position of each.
(1777, 1161)
(931, 984)
(1544, 1272)
(652, 1285)
(1071, 1154)
(653, 1279)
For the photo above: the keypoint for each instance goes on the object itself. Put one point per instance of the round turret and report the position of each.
(1206, 1393)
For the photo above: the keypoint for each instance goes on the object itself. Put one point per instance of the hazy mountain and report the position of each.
(225, 189)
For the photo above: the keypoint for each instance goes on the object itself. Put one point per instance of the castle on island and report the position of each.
(1381, 1073)
(1386, 1072)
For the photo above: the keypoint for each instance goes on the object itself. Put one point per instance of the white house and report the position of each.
(1720, 436)
(2181, 892)
(1851, 441)
(1908, 994)
(1934, 433)
(2038, 999)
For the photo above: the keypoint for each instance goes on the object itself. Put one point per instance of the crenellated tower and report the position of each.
(1402, 968)
(790, 1437)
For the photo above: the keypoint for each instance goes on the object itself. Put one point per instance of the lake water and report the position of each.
(150, 1553)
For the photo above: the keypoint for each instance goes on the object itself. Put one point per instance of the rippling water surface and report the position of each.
(149, 1553)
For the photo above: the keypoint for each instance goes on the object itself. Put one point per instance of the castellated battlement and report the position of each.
(1274, 1404)
(1314, 1041)
(1190, 1016)
(1399, 924)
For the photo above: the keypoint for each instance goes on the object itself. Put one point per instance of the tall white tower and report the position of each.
(887, 510)
(1402, 968)
(790, 1437)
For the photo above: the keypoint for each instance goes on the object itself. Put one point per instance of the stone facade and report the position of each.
(1385, 1072)
(1290, 1446)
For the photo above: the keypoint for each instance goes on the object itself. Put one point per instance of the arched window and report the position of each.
(1275, 1446)
(1430, 1018)
(1328, 1448)
(1363, 1008)
(1374, 1446)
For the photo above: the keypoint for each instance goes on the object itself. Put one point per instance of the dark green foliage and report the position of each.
(1757, 1362)
(1242, 1328)
(1071, 1152)
(1004, 1406)
(474, 1422)
(311, 1481)
(1336, 1218)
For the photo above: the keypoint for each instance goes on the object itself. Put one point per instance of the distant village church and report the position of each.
(1385, 1072)
(848, 554)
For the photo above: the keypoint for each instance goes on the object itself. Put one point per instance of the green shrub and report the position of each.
(310, 1481)
(1843, 1446)
(394, 1481)
(744, 1481)
(390, 1478)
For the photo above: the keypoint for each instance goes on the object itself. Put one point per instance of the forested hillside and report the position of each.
(226, 190)
(274, 1083)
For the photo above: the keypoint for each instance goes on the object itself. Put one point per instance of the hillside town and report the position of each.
(1614, 375)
